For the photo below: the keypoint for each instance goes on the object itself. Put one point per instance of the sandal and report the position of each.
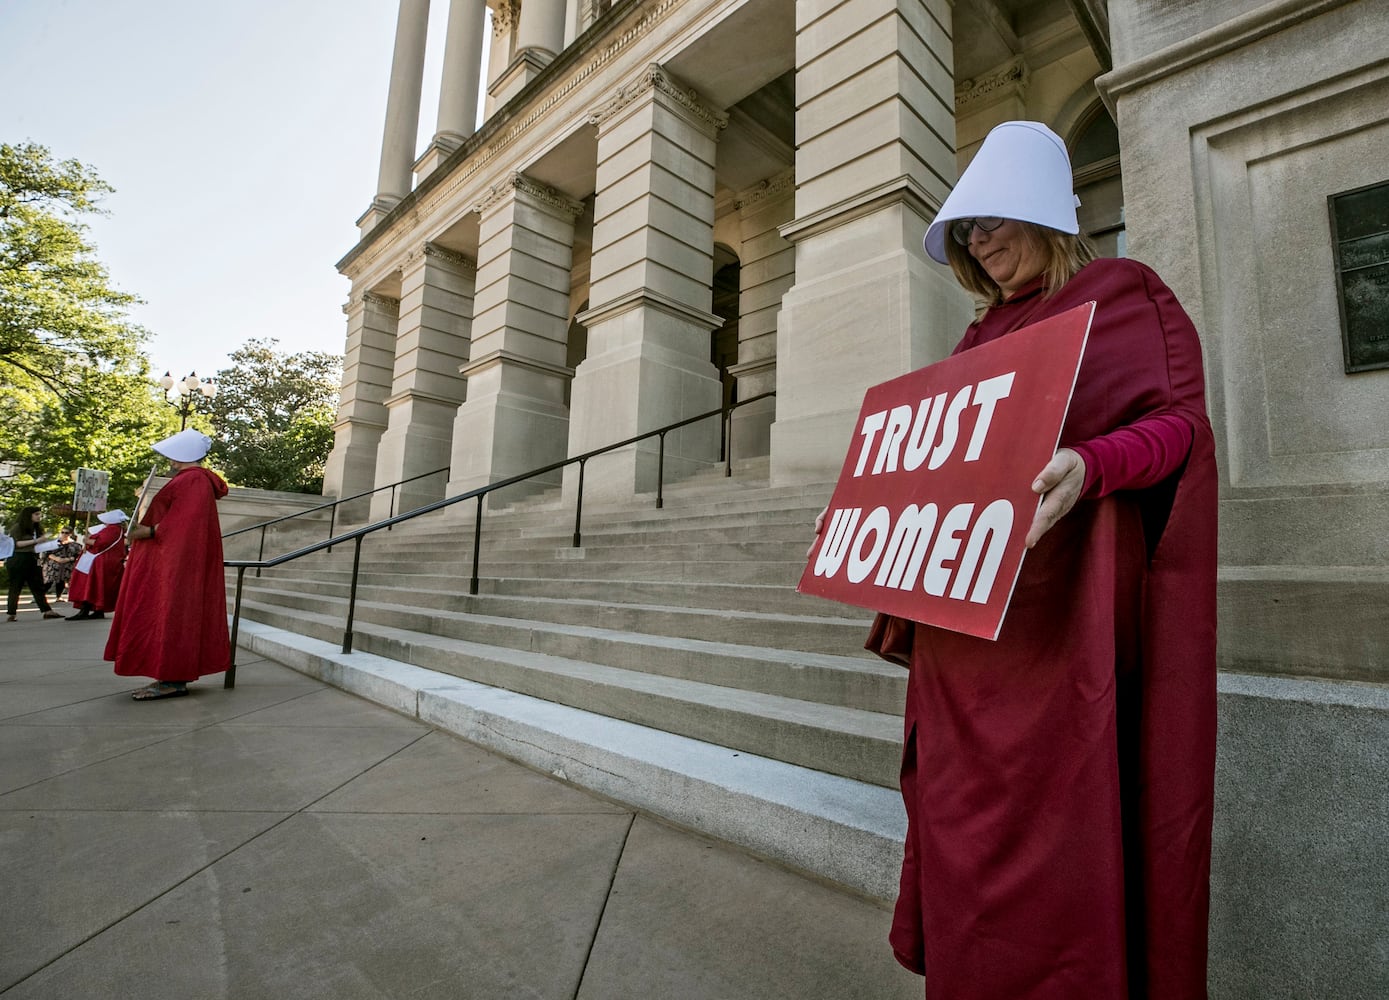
(160, 689)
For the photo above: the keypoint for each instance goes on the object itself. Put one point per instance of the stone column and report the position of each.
(871, 172)
(767, 273)
(394, 181)
(462, 79)
(652, 266)
(366, 382)
(573, 20)
(515, 418)
(541, 28)
(539, 37)
(432, 342)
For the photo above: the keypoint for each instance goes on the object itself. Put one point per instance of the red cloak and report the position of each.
(1059, 782)
(100, 585)
(171, 619)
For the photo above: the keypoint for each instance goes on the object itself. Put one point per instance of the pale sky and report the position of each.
(243, 139)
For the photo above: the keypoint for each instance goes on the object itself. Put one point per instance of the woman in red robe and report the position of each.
(1059, 781)
(94, 591)
(171, 619)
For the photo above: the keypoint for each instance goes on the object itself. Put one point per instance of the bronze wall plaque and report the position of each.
(1360, 242)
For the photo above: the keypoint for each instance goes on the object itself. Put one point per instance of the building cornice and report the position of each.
(1236, 33)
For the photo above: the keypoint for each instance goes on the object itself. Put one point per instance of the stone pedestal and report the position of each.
(868, 304)
(432, 344)
(652, 268)
(515, 418)
(366, 383)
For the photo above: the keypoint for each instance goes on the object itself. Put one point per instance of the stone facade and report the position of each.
(676, 202)
(545, 285)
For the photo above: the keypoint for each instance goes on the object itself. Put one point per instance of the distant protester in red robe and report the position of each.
(171, 619)
(94, 589)
(1059, 782)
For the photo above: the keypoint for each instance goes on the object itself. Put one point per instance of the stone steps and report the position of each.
(682, 622)
(851, 742)
(670, 640)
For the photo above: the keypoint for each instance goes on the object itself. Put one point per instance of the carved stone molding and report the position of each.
(417, 257)
(518, 183)
(505, 14)
(382, 302)
(459, 260)
(776, 186)
(657, 79)
(1012, 77)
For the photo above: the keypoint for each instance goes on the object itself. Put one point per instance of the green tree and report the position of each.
(74, 382)
(273, 417)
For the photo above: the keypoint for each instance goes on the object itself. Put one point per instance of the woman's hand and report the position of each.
(819, 527)
(1059, 484)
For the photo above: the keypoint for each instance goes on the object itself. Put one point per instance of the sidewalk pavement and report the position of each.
(288, 840)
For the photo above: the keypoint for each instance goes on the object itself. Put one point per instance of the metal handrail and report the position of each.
(357, 534)
(333, 516)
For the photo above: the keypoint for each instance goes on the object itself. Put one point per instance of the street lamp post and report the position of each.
(186, 393)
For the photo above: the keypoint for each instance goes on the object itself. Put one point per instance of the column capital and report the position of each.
(505, 14)
(518, 183)
(462, 261)
(383, 302)
(657, 80)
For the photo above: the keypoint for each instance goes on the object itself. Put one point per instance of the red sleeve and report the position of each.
(1135, 456)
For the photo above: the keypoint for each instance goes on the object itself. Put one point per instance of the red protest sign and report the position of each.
(928, 518)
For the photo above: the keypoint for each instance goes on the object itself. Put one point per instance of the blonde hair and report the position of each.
(1064, 253)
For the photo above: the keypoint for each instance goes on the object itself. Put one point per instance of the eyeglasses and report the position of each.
(961, 229)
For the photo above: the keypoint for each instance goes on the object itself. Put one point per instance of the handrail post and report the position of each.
(477, 543)
(579, 507)
(661, 471)
(229, 681)
(392, 510)
(352, 596)
(332, 521)
(726, 429)
(261, 557)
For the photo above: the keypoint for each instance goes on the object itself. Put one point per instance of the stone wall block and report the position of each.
(1298, 880)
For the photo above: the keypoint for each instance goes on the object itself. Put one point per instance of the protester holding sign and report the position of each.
(96, 578)
(171, 619)
(1059, 780)
(23, 565)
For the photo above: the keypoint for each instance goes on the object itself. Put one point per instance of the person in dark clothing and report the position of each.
(23, 566)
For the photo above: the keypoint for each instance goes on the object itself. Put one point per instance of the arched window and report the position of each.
(1095, 159)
